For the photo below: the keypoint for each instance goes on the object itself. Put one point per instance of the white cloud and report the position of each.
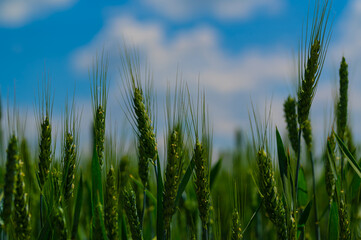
(181, 10)
(16, 13)
(196, 52)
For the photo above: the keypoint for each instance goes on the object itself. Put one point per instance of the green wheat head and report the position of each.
(99, 93)
(147, 147)
(344, 221)
(172, 174)
(12, 163)
(307, 134)
(45, 157)
(342, 103)
(138, 106)
(329, 176)
(59, 224)
(236, 226)
(21, 211)
(271, 197)
(289, 108)
(110, 206)
(311, 59)
(201, 182)
(131, 212)
(69, 163)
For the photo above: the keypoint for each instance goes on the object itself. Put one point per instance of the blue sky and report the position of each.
(243, 51)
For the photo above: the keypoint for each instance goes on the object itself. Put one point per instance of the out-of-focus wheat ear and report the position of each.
(236, 226)
(28, 165)
(123, 177)
(21, 211)
(10, 175)
(172, 175)
(343, 100)
(110, 206)
(289, 108)
(45, 151)
(201, 181)
(292, 228)
(123, 172)
(44, 113)
(69, 162)
(307, 134)
(329, 176)
(271, 198)
(348, 137)
(59, 225)
(344, 221)
(70, 142)
(130, 208)
(100, 133)
(2, 145)
(99, 92)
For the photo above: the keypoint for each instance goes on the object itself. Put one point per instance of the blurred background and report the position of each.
(243, 52)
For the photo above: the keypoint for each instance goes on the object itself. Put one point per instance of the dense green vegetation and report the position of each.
(251, 192)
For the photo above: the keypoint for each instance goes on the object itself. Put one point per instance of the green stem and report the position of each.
(41, 210)
(317, 227)
(204, 233)
(143, 210)
(298, 167)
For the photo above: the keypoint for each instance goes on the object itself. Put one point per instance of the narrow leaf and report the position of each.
(333, 222)
(305, 214)
(77, 210)
(147, 192)
(253, 216)
(349, 156)
(45, 232)
(282, 158)
(160, 220)
(214, 171)
(302, 195)
(184, 182)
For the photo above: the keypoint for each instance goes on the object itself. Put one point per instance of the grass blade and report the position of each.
(302, 196)
(349, 156)
(333, 222)
(282, 158)
(214, 171)
(184, 182)
(140, 184)
(77, 210)
(305, 214)
(160, 220)
(253, 216)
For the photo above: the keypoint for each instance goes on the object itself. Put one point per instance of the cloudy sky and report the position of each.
(242, 51)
